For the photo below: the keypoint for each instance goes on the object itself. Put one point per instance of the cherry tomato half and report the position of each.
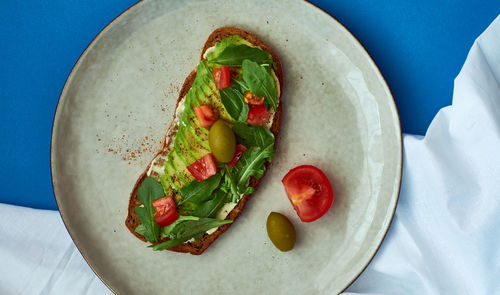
(258, 115)
(204, 167)
(222, 77)
(166, 211)
(237, 155)
(206, 115)
(309, 190)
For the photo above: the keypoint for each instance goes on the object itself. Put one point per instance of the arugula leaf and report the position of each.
(188, 229)
(141, 229)
(210, 207)
(230, 185)
(149, 191)
(233, 101)
(260, 82)
(234, 56)
(253, 135)
(199, 191)
(252, 164)
(228, 41)
(167, 230)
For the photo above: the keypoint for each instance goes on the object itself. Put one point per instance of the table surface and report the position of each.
(419, 46)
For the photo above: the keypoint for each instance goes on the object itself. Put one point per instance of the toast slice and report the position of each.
(198, 247)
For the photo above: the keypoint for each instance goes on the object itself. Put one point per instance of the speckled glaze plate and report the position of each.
(338, 115)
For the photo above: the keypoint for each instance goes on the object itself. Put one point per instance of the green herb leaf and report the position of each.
(141, 229)
(167, 230)
(149, 191)
(234, 56)
(253, 135)
(199, 191)
(197, 237)
(230, 184)
(252, 164)
(233, 101)
(228, 41)
(260, 82)
(248, 190)
(188, 229)
(240, 85)
(210, 207)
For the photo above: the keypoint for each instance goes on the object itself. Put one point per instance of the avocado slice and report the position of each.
(174, 157)
(189, 150)
(176, 171)
(191, 141)
(191, 125)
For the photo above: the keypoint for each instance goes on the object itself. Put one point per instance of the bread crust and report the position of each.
(198, 247)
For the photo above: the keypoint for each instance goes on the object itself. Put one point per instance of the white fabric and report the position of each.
(444, 238)
(37, 256)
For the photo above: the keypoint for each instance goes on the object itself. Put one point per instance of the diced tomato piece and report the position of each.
(206, 115)
(258, 115)
(237, 155)
(309, 191)
(252, 99)
(222, 77)
(166, 211)
(204, 167)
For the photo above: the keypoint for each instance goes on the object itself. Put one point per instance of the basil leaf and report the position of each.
(197, 237)
(234, 56)
(233, 101)
(253, 135)
(260, 82)
(252, 164)
(199, 191)
(210, 208)
(149, 191)
(189, 229)
(240, 85)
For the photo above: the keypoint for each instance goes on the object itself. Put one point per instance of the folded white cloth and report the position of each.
(37, 255)
(443, 239)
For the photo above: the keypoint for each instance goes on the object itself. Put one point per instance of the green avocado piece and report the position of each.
(170, 177)
(191, 145)
(176, 171)
(180, 168)
(190, 122)
(182, 147)
(191, 141)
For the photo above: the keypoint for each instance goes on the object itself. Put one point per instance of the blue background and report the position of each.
(419, 47)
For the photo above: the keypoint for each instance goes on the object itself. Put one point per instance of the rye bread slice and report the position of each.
(198, 247)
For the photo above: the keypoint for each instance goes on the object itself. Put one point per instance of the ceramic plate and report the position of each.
(338, 115)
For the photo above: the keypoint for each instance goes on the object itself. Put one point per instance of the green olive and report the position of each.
(222, 141)
(281, 231)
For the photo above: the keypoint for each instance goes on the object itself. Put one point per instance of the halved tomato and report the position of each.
(309, 190)
(204, 167)
(206, 115)
(166, 211)
(258, 115)
(222, 77)
(237, 155)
